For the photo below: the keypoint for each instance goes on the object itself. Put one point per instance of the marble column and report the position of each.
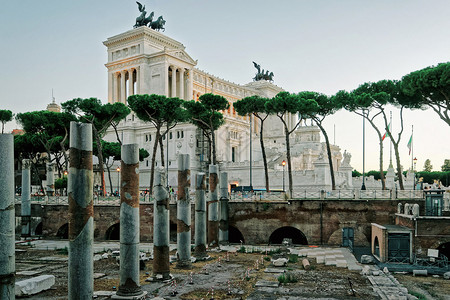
(81, 213)
(138, 81)
(223, 209)
(200, 216)
(129, 223)
(116, 96)
(182, 84)
(123, 86)
(50, 179)
(110, 87)
(184, 213)
(174, 81)
(161, 266)
(213, 207)
(130, 83)
(190, 94)
(7, 235)
(26, 198)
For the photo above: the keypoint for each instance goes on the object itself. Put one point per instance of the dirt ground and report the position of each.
(233, 279)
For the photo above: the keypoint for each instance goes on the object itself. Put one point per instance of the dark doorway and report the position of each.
(38, 230)
(235, 236)
(63, 232)
(113, 232)
(288, 232)
(444, 249)
(376, 247)
(398, 247)
(348, 237)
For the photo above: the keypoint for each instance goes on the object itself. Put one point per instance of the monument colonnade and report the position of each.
(127, 82)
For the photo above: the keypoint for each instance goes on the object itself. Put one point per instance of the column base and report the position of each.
(137, 297)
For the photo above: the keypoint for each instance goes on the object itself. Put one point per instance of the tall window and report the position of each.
(233, 154)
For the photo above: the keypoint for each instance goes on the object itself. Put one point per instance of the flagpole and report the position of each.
(390, 142)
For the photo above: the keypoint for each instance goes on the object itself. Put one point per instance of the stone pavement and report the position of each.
(385, 285)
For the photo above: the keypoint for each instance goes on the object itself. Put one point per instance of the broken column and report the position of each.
(81, 212)
(129, 224)
(50, 179)
(223, 208)
(7, 251)
(213, 207)
(26, 198)
(184, 213)
(161, 268)
(200, 216)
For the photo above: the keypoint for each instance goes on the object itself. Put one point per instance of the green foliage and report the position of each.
(267, 258)
(266, 206)
(63, 251)
(418, 295)
(283, 103)
(293, 258)
(376, 174)
(355, 173)
(143, 154)
(430, 87)
(250, 105)
(241, 250)
(427, 167)
(287, 278)
(446, 166)
(430, 177)
(61, 183)
(274, 251)
(5, 116)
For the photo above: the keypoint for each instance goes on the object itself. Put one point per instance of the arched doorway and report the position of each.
(444, 249)
(38, 229)
(63, 232)
(234, 235)
(113, 232)
(288, 232)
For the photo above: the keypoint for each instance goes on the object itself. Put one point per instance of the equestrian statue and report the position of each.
(261, 75)
(142, 20)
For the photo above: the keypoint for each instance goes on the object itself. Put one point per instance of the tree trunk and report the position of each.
(100, 159)
(155, 148)
(64, 151)
(263, 152)
(330, 159)
(288, 157)
(380, 139)
(108, 168)
(399, 168)
(161, 149)
(213, 144)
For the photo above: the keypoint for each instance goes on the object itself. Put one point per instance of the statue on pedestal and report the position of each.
(142, 20)
(261, 75)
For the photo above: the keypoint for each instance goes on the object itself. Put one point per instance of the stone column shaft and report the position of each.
(184, 213)
(190, 87)
(174, 81)
(182, 83)
(130, 83)
(223, 209)
(26, 198)
(200, 216)
(123, 87)
(81, 212)
(213, 207)
(116, 96)
(161, 266)
(129, 222)
(7, 236)
(50, 179)
(138, 81)
(110, 87)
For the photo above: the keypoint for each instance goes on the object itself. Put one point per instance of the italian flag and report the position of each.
(410, 145)
(386, 134)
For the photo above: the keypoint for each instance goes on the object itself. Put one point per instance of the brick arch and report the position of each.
(297, 236)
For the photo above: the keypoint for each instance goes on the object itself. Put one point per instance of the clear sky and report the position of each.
(317, 45)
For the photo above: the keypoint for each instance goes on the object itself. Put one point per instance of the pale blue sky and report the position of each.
(309, 45)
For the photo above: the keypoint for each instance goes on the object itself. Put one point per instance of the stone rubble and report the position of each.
(34, 285)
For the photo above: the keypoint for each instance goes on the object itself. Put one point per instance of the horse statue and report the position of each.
(140, 20)
(262, 75)
(158, 24)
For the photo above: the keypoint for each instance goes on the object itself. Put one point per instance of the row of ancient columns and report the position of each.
(177, 78)
(119, 84)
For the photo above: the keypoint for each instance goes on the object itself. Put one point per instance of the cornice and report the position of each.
(143, 32)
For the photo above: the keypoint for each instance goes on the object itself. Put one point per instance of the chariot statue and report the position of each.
(261, 75)
(143, 20)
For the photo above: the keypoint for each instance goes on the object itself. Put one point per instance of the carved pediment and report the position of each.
(182, 55)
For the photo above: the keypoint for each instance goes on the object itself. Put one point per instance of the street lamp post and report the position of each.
(118, 181)
(283, 163)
